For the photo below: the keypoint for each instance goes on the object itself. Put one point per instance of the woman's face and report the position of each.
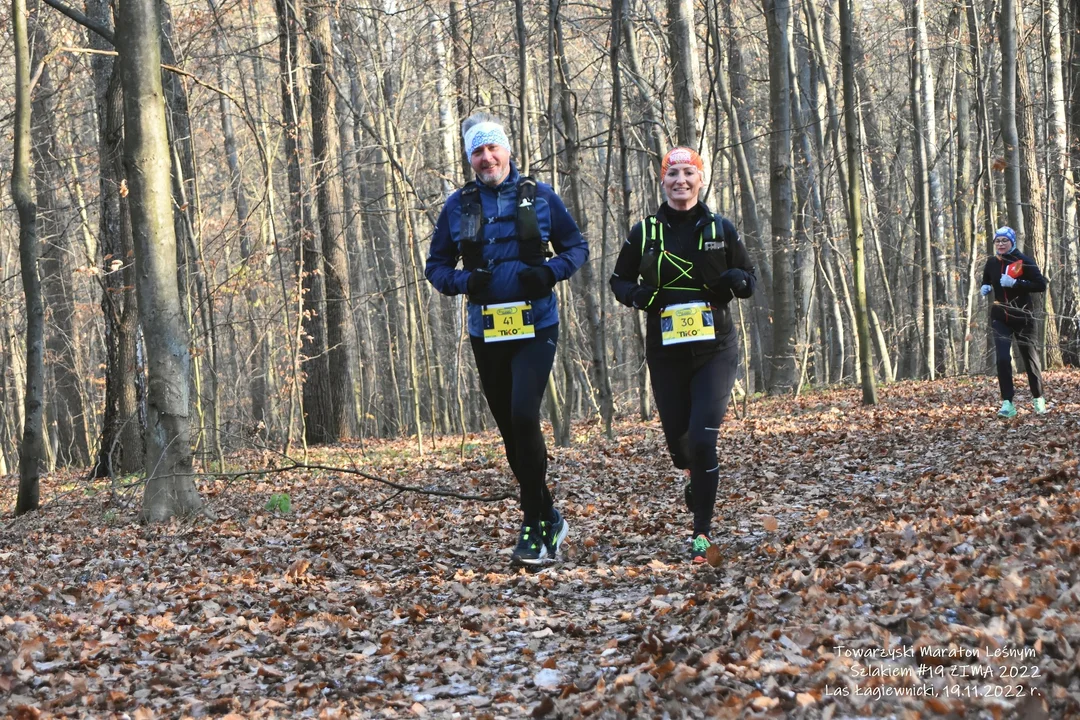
(682, 184)
(1002, 245)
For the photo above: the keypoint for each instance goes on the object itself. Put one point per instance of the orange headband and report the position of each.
(681, 156)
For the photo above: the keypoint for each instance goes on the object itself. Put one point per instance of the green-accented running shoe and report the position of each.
(1040, 406)
(553, 533)
(1007, 410)
(530, 548)
(699, 549)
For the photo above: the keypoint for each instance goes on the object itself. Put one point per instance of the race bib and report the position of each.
(508, 321)
(688, 322)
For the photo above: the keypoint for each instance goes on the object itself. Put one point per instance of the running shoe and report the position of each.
(1007, 410)
(553, 532)
(1040, 406)
(530, 549)
(699, 549)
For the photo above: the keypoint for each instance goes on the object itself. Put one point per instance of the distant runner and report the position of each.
(1012, 277)
(682, 266)
(499, 226)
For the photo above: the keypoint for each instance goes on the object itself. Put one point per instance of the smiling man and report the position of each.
(500, 226)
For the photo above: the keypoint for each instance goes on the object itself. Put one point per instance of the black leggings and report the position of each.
(692, 392)
(513, 375)
(1025, 343)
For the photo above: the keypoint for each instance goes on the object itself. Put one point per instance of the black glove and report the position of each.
(536, 281)
(641, 296)
(737, 282)
(478, 282)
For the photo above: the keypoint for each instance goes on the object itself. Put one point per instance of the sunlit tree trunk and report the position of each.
(924, 258)
(851, 131)
(170, 486)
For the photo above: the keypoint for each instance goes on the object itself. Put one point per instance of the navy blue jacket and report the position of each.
(556, 227)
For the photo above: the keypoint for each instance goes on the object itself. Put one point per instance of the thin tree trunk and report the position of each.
(851, 128)
(923, 211)
(586, 278)
(32, 449)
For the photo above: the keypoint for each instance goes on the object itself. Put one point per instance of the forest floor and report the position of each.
(920, 558)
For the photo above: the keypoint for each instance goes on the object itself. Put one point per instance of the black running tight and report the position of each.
(692, 391)
(513, 375)
(1025, 343)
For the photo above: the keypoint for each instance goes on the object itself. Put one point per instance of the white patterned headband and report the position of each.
(485, 133)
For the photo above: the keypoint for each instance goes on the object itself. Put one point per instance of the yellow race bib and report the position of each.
(508, 321)
(687, 322)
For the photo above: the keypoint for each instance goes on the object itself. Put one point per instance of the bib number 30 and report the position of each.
(687, 322)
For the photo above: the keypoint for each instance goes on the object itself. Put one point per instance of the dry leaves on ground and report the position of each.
(916, 559)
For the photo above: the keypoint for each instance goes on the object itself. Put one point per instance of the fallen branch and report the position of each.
(368, 476)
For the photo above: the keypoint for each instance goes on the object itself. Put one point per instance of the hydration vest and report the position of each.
(532, 249)
(663, 269)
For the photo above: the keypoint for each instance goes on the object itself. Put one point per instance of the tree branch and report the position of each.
(376, 478)
(83, 20)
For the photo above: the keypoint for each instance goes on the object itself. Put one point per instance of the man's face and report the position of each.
(1002, 245)
(491, 163)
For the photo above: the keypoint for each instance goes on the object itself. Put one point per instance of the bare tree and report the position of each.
(782, 376)
(32, 449)
(851, 131)
(170, 484)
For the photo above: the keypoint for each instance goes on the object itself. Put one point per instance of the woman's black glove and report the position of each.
(478, 282)
(738, 282)
(642, 296)
(536, 281)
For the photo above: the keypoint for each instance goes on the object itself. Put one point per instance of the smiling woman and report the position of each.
(682, 266)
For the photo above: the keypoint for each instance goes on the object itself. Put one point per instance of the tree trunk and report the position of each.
(586, 278)
(1063, 188)
(257, 373)
(32, 449)
(941, 269)
(851, 128)
(328, 196)
(782, 376)
(682, 48)
(1032, 197)
(66, 416)
(924, 259)
(1009, 134)
(170, 485)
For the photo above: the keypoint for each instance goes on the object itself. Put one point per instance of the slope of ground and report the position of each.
(916, 559)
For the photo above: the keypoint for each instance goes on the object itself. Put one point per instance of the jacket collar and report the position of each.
(703, 219)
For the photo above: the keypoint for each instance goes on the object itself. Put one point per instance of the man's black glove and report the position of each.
(641, 296)
(536, 281)
(737, 281)
(478, 282)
